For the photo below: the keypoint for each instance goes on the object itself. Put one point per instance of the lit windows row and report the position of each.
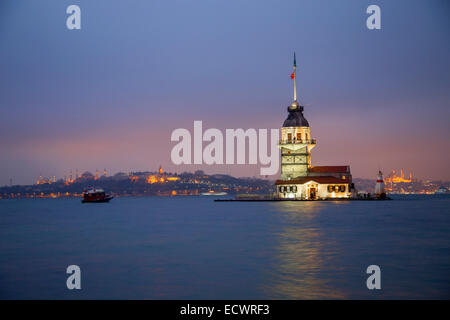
(287, 189)
(299, 136)
(338, 188)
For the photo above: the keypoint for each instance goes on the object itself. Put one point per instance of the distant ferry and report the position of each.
(95, 195)
(212, 193)
(442, 190)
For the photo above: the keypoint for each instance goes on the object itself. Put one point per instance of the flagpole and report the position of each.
(295, 79)
(295, 84)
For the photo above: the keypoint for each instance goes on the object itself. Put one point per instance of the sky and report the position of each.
(110, 95)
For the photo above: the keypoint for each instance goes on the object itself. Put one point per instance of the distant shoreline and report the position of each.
(159, 184)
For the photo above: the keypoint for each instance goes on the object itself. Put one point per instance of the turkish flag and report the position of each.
(293, 75)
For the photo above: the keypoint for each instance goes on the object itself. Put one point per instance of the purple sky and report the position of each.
(109, 95)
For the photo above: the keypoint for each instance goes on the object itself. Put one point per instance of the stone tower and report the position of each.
(296, 142)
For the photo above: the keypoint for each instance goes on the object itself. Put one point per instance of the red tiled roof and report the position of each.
(302, 180)
(334, 169)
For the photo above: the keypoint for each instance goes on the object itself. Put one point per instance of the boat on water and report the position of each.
(213, 193)
(95, 195)
(442, 190)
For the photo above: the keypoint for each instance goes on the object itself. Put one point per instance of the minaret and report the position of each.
(296, 142)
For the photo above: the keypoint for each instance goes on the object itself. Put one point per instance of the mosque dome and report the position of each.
(295, 117)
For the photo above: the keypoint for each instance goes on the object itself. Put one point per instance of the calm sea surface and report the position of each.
(194, 248)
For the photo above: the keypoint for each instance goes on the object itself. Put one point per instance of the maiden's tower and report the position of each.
(299, 178)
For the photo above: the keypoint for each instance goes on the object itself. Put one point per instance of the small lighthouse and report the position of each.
(379, 187)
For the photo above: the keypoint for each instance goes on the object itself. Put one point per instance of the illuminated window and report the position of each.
(289, 136)
(299, 137)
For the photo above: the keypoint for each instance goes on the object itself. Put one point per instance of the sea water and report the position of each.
(195, 248)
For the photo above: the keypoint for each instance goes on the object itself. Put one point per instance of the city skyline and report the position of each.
(109, 95)
(394, 175)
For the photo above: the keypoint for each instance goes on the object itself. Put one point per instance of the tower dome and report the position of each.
(295, 117)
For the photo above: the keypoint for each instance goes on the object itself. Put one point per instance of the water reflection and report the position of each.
(302, 261)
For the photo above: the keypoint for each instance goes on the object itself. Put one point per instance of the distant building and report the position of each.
(392, 179)
(42, 180)
(299, 179)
